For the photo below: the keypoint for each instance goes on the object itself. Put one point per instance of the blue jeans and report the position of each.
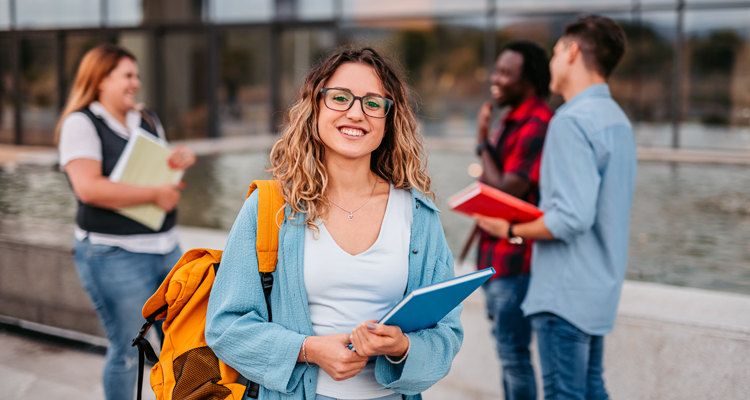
(513, 334)
(119, 283)
(394, 396)
(571, 360)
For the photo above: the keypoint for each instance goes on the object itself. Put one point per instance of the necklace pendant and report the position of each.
(351, 217)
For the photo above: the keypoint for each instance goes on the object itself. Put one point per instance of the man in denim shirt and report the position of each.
(586, 186)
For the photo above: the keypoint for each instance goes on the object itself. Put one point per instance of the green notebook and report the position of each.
(144, 163)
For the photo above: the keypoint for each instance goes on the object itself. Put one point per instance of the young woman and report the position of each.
(358, 233)
(120, 262)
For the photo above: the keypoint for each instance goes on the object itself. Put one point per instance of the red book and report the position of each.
(481, 199)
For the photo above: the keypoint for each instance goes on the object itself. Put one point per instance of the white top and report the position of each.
(345, 290)
(78, 139)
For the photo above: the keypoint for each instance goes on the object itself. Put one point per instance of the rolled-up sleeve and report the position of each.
(432, 350)
(570, 180)
(237, 327)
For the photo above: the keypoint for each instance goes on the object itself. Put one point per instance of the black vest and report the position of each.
(100, 220)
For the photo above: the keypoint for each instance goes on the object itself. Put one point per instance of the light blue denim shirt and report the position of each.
(586, 186)
(236, 322)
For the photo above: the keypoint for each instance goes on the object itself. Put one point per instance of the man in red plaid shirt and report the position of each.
(510, 160)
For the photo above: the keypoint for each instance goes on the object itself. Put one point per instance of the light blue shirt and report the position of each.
(586, 186)
(236, 320)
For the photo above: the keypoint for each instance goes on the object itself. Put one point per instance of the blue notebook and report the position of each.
(426, 306)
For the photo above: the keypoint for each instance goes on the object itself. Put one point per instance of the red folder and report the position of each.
(481, 199)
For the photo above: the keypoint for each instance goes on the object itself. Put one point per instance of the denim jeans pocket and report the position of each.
(102, 250)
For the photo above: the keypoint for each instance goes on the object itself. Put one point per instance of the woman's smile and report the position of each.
(352, 131)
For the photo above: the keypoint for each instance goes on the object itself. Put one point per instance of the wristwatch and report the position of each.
(484, 145)
(512, 238)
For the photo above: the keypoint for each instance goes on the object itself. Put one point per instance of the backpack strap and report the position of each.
(270, 218)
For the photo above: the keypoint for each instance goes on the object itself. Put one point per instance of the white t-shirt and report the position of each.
(345, 290)
(78, 139)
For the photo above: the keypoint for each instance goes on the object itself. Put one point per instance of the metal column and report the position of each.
(213, 117)
(677, 76)
(489, 38)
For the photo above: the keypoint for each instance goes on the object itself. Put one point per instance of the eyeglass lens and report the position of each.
(341, 100)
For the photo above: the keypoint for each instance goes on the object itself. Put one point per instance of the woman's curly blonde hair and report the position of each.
(298, 157)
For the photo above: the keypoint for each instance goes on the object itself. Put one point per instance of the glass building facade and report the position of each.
(220, 68)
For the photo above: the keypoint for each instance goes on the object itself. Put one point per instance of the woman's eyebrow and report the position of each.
(366, 94)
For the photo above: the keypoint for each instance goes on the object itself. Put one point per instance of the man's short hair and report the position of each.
(601, 40)
(535, 65)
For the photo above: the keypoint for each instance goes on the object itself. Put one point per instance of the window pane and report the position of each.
(124, 12)
(76, 47)
(4, 15)
(7, 132)
(316, 9)
(57, 14)
(242, 10)
(243, 92)
(444, 61)
(716, 82)
(301, 49)
(184, 74)
(158, 11)
(139, 44)
(399, 8)
(561, 5)
(38, 90)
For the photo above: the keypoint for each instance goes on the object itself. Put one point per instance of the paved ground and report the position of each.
(33, 368)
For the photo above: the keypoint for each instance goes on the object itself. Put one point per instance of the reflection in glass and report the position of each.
(76, 46)
(124, 12)
(568, 5)
(7, 132)
(185, 86)
(355, 9)
(139, 44)
(243, 92)
(38, 90)
(157, 11)
(443, 60)
(301, 50)
(316, 9)
(242, 10)
(717, 58)
(57, 14)
(4, 15)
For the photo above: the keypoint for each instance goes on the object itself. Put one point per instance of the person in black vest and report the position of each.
(120, 262)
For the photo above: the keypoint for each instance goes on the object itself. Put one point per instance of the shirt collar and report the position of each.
(523, 109)
(418, 196)
(595, 90)
(132, 120)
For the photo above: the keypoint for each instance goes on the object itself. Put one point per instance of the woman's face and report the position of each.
(118, 89)
(352, 134)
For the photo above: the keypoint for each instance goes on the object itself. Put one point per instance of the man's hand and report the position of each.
(483, 122)
(496, 227)
(331, 353)
(372, 339)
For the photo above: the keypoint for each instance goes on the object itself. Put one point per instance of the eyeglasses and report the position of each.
(342, 100)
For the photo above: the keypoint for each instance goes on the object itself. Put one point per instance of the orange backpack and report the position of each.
(187, 368)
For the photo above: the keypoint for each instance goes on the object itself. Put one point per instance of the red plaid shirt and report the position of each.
(516, 148)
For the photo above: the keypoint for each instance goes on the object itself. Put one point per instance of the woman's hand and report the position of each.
(167, 197)
(331, 353)
(181, 158)
(372, 339)
(496, 227)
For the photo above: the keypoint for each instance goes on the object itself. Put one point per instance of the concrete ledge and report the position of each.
(668, 343)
